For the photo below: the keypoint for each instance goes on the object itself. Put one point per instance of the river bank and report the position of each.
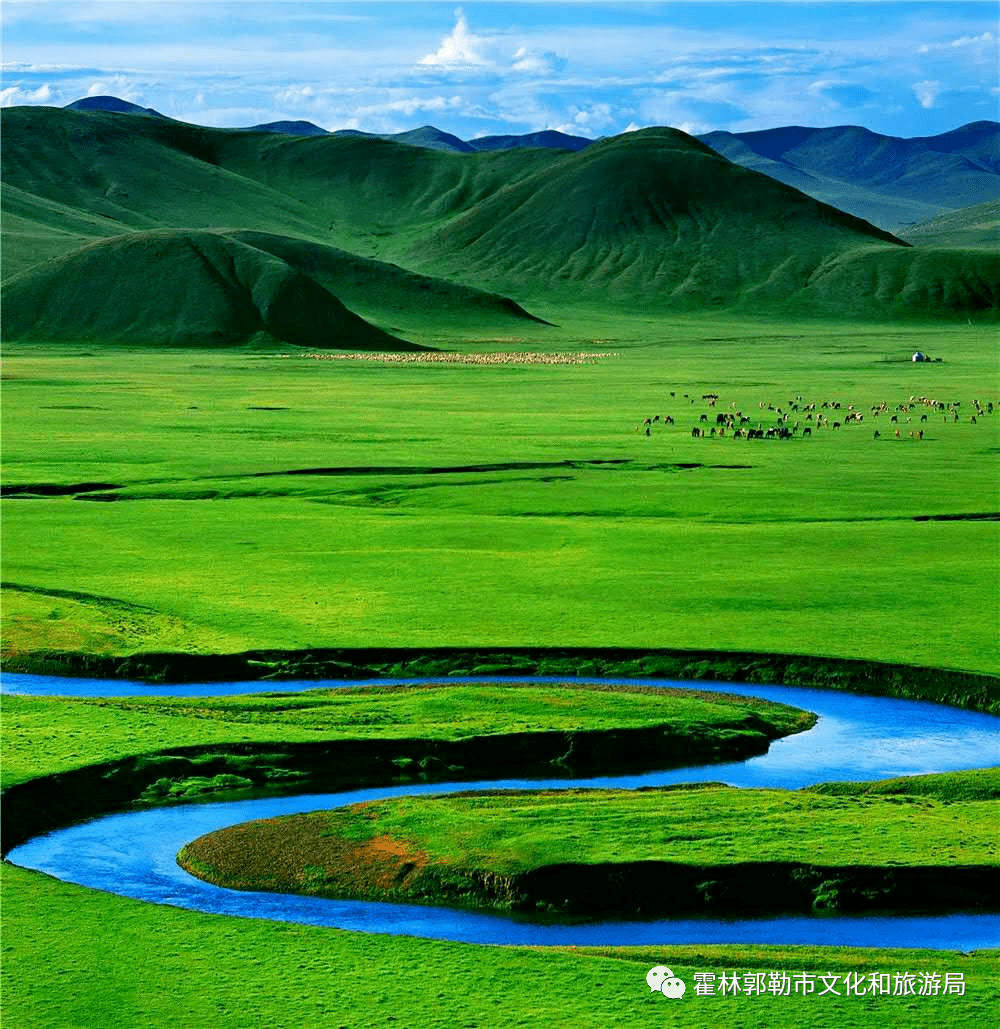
(971, 690)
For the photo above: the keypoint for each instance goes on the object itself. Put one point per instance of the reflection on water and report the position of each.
(856, 738)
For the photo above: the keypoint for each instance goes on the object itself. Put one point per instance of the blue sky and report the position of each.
(900, 68)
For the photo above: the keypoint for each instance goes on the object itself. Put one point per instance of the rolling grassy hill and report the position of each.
(652, 215)
(408, 237)
(113, 104)
(545, 138)
(182, 288)
(887, 180)
(977, 226)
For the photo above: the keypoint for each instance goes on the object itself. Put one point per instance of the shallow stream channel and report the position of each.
(857, 738)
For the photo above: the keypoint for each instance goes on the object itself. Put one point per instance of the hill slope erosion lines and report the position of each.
(653, 214)
(409, 237)
(977, 226)
(182, 288)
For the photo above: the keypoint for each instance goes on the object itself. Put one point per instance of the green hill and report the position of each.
(111, 103)
(545, 138)
(290, 128)
(915, 281)
(410, 237)
(124, 174)
(378, 290)
(652, 215)
(181, 288)
(426, 136)
(72, 179)
(977, 226)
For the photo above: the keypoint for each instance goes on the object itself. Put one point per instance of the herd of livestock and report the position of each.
(798, 420)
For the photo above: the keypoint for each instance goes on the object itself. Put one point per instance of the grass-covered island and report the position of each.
(909, 845)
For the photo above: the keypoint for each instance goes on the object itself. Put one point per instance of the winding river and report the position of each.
(856, 738)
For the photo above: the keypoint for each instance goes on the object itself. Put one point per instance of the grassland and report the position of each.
(568, 852)
(44, 735)
(211, 502)
(694, 825)
(163, 968)
(259, 501)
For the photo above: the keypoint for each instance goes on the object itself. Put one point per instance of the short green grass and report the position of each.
(707, 825)
(612, 538)
(43, 735)
(163, 968)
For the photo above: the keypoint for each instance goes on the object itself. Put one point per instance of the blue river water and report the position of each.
(856, 738)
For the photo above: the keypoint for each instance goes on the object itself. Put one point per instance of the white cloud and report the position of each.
(927, 93)
(117, 86)
(985, 38)
(35, 68)
(15, 96)
(590, 120)
(411, 105)
(534, 62)
(295, 95)
(459, 49)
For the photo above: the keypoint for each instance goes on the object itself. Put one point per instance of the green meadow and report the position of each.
(161, 967)
(149, 507)
(698, 825)
(722, 850)
(203, 455)
(212, 502)
(46, 735)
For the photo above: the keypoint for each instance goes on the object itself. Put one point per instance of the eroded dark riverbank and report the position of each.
(570, 891)
(971, 690)
(240, 770)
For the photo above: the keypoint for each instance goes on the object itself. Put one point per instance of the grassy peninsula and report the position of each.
(593, 852)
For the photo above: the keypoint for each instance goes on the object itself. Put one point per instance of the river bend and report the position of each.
(856, 738)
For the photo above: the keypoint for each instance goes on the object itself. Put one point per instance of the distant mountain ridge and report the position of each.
(151, 231)
(891, 181)
(887, 180)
